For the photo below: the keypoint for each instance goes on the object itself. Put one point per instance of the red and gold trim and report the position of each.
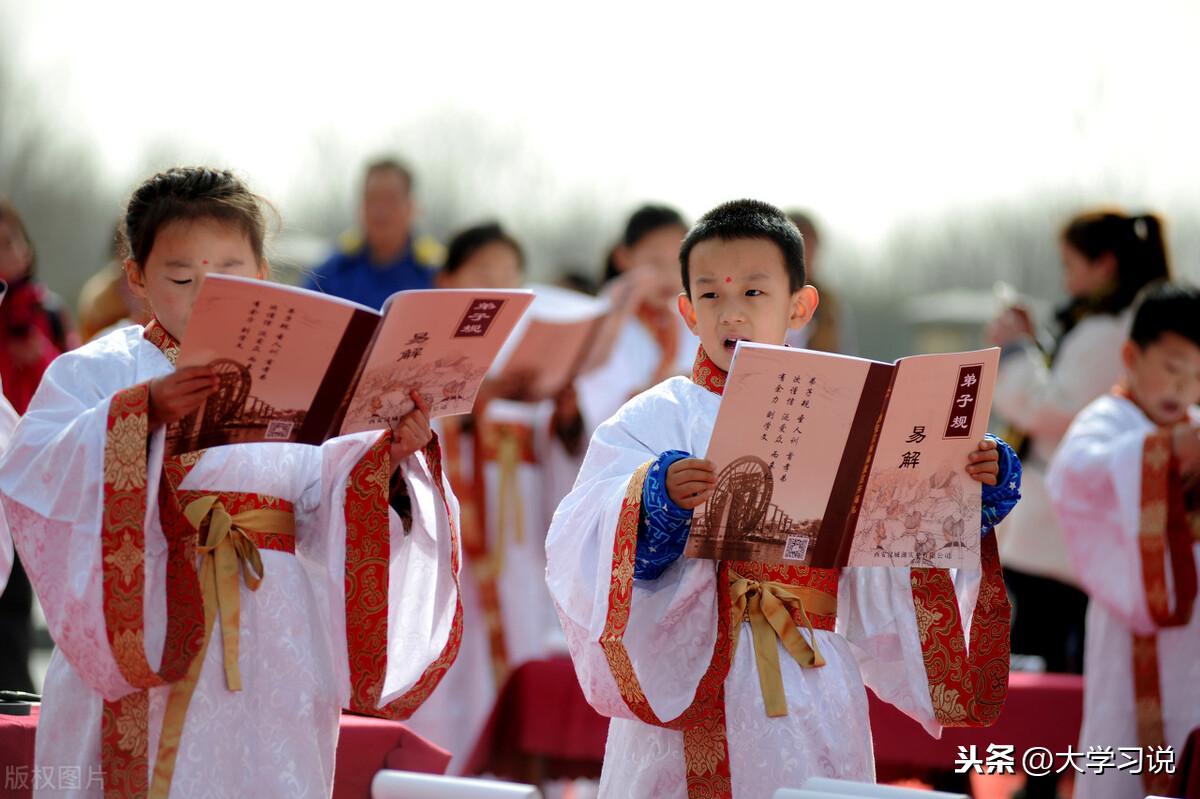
(967, 686)
(706, 749)
(157, 335)
(1165, 529)
(368, 536)
(124, 558)
(707, 374)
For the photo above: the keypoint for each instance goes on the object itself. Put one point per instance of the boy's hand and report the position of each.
(1187, 448)
(690, 481)
(984, 463)
(174, 396)
(412, 432)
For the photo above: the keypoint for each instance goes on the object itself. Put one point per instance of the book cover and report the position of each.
(294, 364)
(828, 460)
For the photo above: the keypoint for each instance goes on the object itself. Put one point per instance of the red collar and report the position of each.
(157, 335)
(707, 374)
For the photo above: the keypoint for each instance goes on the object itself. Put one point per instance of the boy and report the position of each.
(1124, 485)
(652, 635)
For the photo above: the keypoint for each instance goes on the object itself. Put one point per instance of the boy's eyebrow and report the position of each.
(706, 280)
(179, 263)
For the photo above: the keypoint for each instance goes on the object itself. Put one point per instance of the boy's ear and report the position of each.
(688, 312)
(264, 269)
(1129, 354)
(135, 278)
(804, 305)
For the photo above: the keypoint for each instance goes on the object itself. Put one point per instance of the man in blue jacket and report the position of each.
(383, 259)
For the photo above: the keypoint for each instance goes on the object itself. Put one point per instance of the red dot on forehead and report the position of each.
(728, 280)
(205, 262)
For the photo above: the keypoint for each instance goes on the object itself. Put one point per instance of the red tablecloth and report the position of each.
(542, 726)
(365, 745)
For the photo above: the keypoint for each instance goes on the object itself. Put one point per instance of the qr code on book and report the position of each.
(279, 430)
(796, 547)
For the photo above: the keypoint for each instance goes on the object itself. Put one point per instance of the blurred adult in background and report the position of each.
(34, 330)
(831, 329)
(105, 301)
(1107, 258)
(642, 279)
(383, 257)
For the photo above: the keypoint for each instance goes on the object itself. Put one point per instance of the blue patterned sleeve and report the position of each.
(1000, 499)
(663, 526)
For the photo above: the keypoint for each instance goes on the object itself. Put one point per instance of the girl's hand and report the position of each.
(1013, 324)
(412, 432)
(690, 482)
(984, 463)
(174, 396)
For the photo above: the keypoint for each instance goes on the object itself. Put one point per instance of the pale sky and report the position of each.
(866, 112)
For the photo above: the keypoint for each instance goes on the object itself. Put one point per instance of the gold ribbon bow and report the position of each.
(227, 551)
(766, 605)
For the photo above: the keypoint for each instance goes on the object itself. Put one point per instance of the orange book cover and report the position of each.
(829, 461)
(293, 364)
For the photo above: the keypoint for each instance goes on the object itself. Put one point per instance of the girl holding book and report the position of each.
(214, 612)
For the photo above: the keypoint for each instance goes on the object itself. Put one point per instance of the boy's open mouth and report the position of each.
(731, 342)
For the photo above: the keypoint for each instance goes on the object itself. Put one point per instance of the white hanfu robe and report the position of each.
(630, 369)
(8, 421)
(654, 655)
(363, 615)
(1106, 509)
(509, 618)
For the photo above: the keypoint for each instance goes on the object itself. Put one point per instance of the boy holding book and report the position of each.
(655, 637)
(1124, 485)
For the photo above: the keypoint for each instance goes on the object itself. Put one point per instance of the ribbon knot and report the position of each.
(227, 551)
(768, 606)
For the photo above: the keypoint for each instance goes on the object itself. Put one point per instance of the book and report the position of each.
(555, 341)
(303, 367)
(829, 461)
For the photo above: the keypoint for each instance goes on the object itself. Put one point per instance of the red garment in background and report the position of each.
(33, 332)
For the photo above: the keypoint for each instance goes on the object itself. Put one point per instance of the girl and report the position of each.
(136, 557)
(505, 462)
(653, 344)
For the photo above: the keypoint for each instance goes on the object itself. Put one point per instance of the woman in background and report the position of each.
(1107, 258)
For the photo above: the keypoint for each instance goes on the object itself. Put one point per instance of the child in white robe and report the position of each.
(653, 342)
(173, 674)
(1124, 485)
(500, 458)
(651, 634)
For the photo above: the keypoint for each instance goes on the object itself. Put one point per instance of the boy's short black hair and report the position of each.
(1165, 307)
(748, 219)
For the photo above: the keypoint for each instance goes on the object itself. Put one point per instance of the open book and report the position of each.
(300, 366)
(564, 334)
(829, 461)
